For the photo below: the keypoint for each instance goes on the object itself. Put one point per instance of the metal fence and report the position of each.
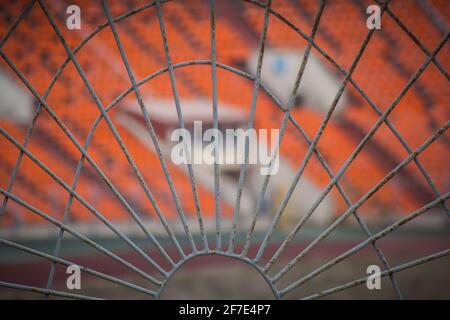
(221, 244)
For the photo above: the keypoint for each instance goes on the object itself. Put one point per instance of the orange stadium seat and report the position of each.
(381, 78)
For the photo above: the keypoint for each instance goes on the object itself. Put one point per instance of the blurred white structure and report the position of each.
(15, 103)
(165, 120)
(318, 86)
(303, 198)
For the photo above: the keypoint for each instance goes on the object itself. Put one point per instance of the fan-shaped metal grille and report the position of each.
(221, 244)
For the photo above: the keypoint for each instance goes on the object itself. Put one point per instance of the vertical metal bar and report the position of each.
(212, 16)
(243, 169)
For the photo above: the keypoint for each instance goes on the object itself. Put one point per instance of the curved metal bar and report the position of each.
(223, 254)
(183, 64)
(278, 103)
(290, 25)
